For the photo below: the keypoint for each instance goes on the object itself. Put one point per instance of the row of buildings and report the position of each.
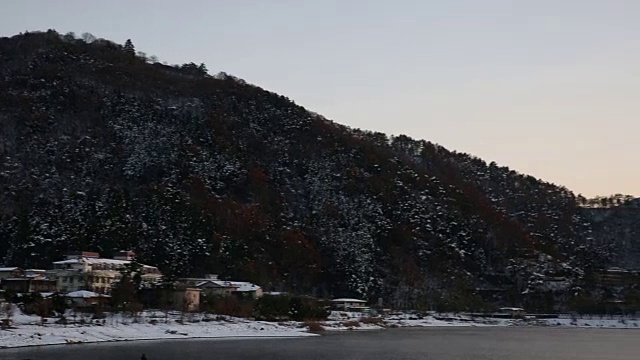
(88, 276)
(81, 271)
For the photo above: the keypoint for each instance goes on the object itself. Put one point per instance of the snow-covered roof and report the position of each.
(29, 278)
(92, 261)
(244, 286)
(240, 286)
(511, 309)
(216, 283)
(37, 276)
(5, 269)
(84, 294)
(347, 300)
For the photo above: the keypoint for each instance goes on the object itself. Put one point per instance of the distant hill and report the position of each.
(617, 224)
(102, 150)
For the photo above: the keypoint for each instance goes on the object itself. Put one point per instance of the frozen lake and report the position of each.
(505, 343)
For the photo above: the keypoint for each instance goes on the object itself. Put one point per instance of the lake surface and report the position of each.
(510, 343)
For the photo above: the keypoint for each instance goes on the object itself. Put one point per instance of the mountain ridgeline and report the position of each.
(101, 150)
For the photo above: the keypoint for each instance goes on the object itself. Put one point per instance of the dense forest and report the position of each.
(103, 148)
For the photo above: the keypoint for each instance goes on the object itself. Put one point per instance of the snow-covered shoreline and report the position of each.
(30, 331)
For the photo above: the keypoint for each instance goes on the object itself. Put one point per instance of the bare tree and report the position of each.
(142, 55)
(69, 37)
(166, 304)
(6, 312)
(187, 304)
(43, 307)
(88, 37)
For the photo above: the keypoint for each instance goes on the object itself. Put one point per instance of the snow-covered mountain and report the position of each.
(102, 150)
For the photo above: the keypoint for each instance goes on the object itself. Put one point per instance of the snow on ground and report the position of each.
(26, 330)
(29, 331)
(593, 323)
(347, 321)
(341, 320)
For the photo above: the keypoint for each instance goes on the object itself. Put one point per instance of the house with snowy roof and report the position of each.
(84, 298)
(211, 285)
(88, 271)
(10, 272)
(19, 281)
(32, 283)
(348, 304)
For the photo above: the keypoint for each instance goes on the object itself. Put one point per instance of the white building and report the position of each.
(88, 271)
(347, 304)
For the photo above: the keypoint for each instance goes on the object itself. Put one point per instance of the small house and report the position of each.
(84, 298)
(346, 304)
(514, 312)
(186, 299)
(22, 285)
(10, 272)
(211, 285)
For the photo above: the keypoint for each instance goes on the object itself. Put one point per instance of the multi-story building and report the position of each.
(88, 271)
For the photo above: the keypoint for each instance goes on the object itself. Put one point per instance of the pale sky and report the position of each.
(550, 88)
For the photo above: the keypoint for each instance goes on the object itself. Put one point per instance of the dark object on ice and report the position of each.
(144, 357)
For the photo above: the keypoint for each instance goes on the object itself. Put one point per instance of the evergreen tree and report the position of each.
(124, 295)
(129, 48)
(203, 69)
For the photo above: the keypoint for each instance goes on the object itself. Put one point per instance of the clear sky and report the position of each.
(547, 87)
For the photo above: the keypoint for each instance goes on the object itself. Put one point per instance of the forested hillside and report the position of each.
(616, 224)
(101, 149)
